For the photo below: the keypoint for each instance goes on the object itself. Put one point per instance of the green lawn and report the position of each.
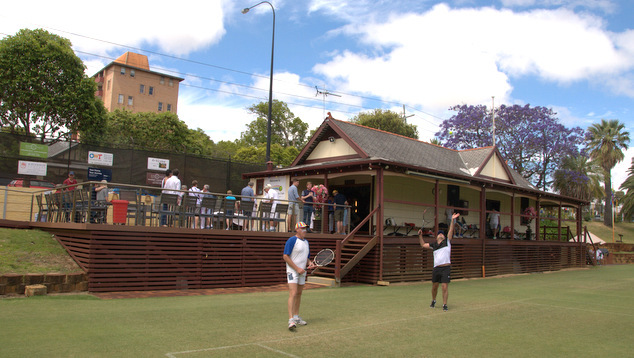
(577, 313)
(33, 251)
(605, 233)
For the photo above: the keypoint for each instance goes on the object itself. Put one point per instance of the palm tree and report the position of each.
(628, 199)
(606, 143)
(579, 178)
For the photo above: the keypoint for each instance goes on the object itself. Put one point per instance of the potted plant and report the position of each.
(528, 215)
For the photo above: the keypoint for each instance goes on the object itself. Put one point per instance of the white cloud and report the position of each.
(126, 23)
(218, 121)
(446, 56)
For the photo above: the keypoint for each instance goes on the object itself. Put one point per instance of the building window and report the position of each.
(171, 82)
(142, 89)
(169, 107)
(120, 99)
(162, 81)
(108, 88)
(160, 107)
(123, 70)
(131, 73)
(130, 101)
(151, 90)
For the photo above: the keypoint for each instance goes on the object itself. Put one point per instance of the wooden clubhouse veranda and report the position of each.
(394, 186)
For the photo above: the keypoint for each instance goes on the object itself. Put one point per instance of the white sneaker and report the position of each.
(291, 325)
(300, 321)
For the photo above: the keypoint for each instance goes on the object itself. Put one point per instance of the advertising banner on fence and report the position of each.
(157, 164)
(99, 158)
(34, 150)
(99, 174)
(31, 168)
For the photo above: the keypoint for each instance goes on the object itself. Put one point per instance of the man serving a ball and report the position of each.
(442, 262)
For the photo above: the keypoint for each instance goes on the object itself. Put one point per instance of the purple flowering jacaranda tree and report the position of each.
(531, 139)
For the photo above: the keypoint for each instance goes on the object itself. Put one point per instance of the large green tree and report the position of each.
(155, 131)
(606, 142)
(628, 199)
(280, 155)
(43, 88)
(287, 130)
(386, 120)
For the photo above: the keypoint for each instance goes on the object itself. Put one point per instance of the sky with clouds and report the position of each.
(575, 56)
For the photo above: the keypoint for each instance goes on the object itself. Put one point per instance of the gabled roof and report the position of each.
(371, 144)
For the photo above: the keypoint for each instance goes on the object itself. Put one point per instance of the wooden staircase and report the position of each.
(348, 253)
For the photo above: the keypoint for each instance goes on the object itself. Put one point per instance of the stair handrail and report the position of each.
(586, 234)
(340, 243)
(351, 234)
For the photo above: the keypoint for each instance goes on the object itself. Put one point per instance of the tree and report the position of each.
(286, 129)
(606, 142)
(579, 178)
(530, 139)
(43, 88)
(154, 131)
(388, 121)
(628, 199)
(281, 155)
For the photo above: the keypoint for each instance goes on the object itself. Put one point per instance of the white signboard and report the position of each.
(280, 184)
(31, 168)
(157, 164)
(100, 158)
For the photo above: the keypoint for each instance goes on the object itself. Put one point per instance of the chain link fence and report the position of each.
(129, 166)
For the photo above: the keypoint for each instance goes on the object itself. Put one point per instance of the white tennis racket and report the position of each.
(323, 258)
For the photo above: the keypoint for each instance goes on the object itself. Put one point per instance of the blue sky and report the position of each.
(575, 56)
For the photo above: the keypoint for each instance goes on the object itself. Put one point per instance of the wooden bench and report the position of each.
(620, 239)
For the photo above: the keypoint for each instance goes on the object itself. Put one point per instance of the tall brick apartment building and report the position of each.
(127, 83)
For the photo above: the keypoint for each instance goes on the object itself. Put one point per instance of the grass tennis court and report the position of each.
(587, 312)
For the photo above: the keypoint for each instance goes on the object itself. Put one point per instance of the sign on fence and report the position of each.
(34, 150)
(99, 158)
(157, 164)
(98, 174)
(31, 168)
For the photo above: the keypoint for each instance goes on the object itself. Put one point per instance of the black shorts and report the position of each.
(441, 274)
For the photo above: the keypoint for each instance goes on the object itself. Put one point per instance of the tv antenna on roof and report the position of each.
(406, 116)
(324, 93)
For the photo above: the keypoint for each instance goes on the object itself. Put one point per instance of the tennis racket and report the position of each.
(323, 258)
(422, 226)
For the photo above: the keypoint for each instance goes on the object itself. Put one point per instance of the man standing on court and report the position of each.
(293, 204)
(442, 262)
(296, 255)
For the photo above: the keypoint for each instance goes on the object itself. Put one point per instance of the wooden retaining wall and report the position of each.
(126, 258)
(404, 260)
(122, 258)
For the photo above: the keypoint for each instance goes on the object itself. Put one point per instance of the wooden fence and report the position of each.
(123, 258)
(404, 260)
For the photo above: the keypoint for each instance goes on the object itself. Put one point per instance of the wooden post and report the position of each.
(379, 217)
(537, 218)
(338, 262)
(483, 236)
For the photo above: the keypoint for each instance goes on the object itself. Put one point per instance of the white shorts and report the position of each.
(293, 277)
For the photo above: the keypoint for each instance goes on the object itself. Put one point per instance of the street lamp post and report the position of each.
(268, 127)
